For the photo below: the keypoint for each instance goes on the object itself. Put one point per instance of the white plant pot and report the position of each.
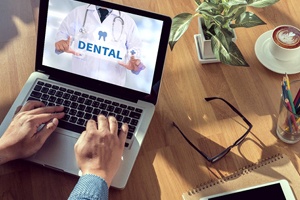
(204, 46)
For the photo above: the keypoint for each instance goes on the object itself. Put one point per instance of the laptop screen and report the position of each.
(105, 42)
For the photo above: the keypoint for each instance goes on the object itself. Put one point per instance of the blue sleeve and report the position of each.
(90, 187)
(140, 68)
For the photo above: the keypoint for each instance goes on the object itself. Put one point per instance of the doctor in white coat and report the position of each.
(104, 43)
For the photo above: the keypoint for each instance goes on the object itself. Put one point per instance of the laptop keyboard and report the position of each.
(80, 107)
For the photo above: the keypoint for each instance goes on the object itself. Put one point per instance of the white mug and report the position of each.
(285, 42)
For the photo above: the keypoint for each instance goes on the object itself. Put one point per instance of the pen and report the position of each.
(288, 104)
(287, 81)
(290, 98)
(290, 127)
(297, 100)
(283, 86)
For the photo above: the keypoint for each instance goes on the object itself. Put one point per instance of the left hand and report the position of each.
(132, 64)
(23, 137)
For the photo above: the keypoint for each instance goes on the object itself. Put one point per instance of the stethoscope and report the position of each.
(83, 30)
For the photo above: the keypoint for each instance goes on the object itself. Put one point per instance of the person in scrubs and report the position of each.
(104, 43)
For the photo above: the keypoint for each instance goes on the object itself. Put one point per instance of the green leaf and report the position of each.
(224, 36)
(180, 24)
(247, 20)
(234, 4)
(235, 11)
(208, 7)
(261, 3)
(229, 56)
(214, 1)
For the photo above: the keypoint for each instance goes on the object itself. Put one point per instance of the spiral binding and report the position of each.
(240, 172)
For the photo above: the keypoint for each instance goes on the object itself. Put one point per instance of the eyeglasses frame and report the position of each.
(227, 150)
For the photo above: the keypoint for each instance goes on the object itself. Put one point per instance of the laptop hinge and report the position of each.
(54, 168)
(100, 88)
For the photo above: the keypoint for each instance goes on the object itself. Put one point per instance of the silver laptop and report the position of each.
(89, 80)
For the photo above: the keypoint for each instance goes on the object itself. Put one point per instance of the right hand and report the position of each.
(64, 46)
(99, 149)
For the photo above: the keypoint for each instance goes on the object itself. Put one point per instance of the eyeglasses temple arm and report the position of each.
(232, 107)
(190, 143)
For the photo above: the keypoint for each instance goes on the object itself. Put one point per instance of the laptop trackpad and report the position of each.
(58, 152)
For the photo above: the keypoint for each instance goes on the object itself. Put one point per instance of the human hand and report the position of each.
(64, 46)
(133, 64)
(23, 136)
(99, 149)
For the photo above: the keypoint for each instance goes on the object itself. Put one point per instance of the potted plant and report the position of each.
(220, 17)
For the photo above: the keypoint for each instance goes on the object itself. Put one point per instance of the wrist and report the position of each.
(4, 154)
(96, 176)
(102, 174)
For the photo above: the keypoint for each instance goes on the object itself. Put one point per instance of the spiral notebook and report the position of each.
(268, 170)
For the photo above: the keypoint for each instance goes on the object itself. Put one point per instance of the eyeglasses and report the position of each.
(227, 150)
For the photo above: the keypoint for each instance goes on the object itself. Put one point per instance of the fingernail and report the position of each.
(53, 123)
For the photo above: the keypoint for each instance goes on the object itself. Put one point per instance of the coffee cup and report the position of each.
(285, 42)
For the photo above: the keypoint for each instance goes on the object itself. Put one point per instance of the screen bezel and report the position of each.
(100, 86)
(286, 190)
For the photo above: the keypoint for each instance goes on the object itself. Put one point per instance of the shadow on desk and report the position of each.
(22, 180)
(143, 182)
(11, 12)
(268, 13)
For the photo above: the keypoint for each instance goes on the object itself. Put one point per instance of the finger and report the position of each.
(52, 124)
(127, 66)
(47, 109)
(122, 64)
(73, 52)
(18, 109)
(58, 46)
(80, 139)
(135, 61)
(123, 134)
(30, 105)
(47, 130)
(89, 134)
(38, 120)
(77, 54)
(102, 123)
(113, 124)
(62, 45)
(69, 40)
(79, 142)
(91, 125)
(65, 46)
(68, 48)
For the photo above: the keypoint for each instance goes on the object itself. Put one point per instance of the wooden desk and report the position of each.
(166, 166)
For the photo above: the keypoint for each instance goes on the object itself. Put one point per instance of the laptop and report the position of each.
(87, 90)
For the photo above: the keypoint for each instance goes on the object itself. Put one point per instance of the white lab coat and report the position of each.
(94, 65)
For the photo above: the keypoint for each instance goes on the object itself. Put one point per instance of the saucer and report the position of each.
(266, 58)
(201, 59)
